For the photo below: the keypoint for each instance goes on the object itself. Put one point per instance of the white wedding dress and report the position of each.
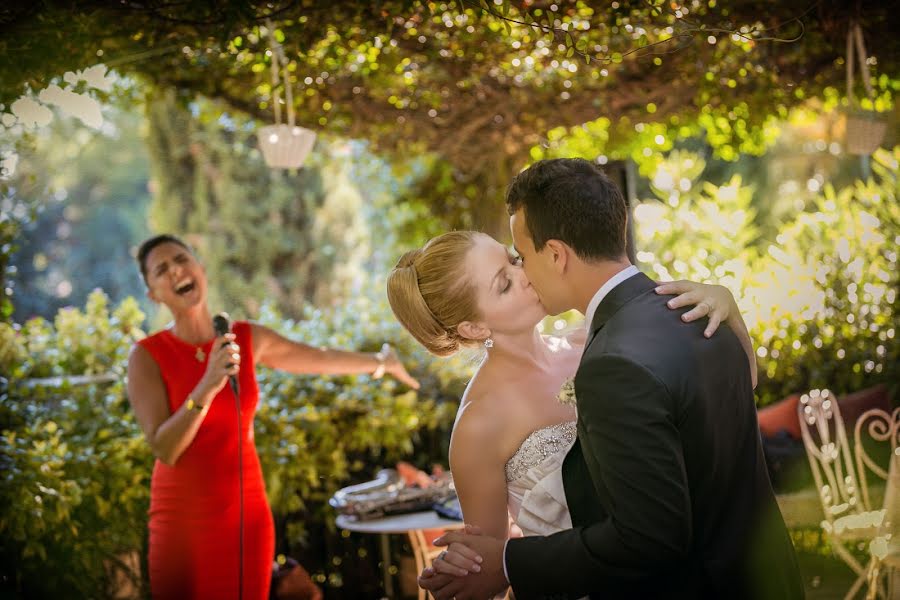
(535, 495)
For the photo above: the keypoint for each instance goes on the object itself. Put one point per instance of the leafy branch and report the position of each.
(688, 30)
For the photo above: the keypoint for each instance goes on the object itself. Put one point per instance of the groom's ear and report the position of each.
(559, 254)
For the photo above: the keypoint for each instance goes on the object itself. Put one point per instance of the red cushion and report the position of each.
(780, 415)
(855, 404)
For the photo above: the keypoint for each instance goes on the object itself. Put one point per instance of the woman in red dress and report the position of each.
(177, 387)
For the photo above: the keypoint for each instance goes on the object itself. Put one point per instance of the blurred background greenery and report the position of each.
(738, 173)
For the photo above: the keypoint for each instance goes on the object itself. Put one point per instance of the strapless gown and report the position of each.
(535, 495)
(536, 498)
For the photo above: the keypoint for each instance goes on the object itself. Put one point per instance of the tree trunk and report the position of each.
(283, 238)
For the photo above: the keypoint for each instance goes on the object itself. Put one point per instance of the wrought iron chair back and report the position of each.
(881, 426)
(829, 454)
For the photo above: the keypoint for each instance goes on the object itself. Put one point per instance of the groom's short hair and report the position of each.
(571, 200)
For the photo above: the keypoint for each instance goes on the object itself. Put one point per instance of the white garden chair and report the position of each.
(847, 519)
(882, 427)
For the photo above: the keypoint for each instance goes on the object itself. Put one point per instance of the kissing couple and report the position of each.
(648, 480)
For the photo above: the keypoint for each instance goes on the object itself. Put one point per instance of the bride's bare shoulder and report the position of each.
(486, 416)
(491, 394)
(481, 412)
(475, 429)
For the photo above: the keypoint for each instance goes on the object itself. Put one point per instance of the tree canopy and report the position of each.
(476, 83)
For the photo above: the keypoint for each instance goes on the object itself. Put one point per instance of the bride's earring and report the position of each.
(489, 343)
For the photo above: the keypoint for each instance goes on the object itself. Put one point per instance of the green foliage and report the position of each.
(698, 228)
(91, 186)
(14, 216)
(819, 298)
(476, 84)
(76, 479)
(77, 468)
(287, 237)
(343, 427)
(76, 343)
(826, 291)
(601, 139)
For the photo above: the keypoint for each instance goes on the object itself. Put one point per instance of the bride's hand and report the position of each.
(457, 560)
(713, 301)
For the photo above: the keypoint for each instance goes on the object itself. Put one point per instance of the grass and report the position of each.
(825, 577)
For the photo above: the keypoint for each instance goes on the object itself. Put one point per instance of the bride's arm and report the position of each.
(715, 302)
(720, 306)
(479, 476)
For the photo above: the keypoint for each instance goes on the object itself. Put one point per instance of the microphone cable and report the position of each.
(237, 402)
(221, 325)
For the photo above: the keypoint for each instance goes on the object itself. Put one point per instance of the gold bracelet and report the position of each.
(381, 356)
(192, 406)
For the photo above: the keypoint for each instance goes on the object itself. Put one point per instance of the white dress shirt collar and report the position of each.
(605, 289)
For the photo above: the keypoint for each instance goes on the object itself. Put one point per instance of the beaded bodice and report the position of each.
(538, 447)
(536, 496)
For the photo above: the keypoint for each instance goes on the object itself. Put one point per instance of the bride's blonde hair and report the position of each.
(430, 292)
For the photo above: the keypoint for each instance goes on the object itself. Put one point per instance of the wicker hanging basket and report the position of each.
(283, 145)
(865, 128)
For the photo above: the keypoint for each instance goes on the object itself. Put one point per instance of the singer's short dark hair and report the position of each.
(148, 245)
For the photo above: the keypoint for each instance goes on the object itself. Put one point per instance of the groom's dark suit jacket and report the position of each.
(667, 485)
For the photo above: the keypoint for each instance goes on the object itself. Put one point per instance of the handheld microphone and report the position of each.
(222, 326)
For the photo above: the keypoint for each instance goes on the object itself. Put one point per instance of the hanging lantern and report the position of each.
(283, 145)
(865, 128)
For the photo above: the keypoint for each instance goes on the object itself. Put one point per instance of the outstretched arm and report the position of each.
(273, 350)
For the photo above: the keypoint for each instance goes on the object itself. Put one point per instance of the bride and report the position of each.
(511, 434)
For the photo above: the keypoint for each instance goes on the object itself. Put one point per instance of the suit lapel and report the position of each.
(618, 297)
(581, 494)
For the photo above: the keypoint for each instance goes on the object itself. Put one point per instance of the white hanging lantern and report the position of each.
(283, 145)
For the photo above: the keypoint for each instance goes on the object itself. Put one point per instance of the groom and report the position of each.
(666, 484)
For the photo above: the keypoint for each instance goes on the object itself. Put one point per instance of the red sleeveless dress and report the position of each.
(195, 504)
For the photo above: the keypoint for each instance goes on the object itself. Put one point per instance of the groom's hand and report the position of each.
(490, 580)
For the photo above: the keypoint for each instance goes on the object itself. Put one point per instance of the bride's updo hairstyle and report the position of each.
(431, 295)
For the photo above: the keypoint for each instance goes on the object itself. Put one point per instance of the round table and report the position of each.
(411, 524)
